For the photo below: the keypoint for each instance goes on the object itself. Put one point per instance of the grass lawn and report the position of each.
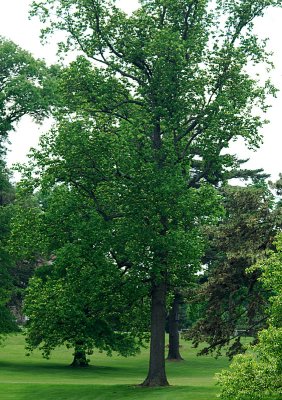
(34, 378)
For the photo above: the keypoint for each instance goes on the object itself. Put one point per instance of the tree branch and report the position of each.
(80, 187)
(138, 63)
(121, 263)
(186, 18)
(162, 16)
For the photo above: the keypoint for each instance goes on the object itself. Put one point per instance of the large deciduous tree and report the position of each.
(173, 89)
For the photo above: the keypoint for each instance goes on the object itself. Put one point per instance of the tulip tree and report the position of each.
(172, 90)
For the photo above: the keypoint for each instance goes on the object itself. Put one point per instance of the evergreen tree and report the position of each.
(234, 300)
(257, 374)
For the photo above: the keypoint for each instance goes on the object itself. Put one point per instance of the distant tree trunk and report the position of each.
(80, 359)
(157, 375)
(173, 324)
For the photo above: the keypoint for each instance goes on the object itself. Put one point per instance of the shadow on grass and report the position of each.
(101, 392)
(54, 368)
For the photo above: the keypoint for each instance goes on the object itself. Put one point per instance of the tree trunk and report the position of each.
(79, 360)
(173, 324)
(157, 375)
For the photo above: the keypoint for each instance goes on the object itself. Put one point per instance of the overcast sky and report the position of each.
(14, 24)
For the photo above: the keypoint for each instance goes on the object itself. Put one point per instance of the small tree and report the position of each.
(77, 296)
(70, 303)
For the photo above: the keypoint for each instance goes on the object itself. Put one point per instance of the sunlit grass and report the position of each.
(28, 378)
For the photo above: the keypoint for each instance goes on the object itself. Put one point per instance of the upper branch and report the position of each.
(140, 64)
(162, 16)
(82, 188)
(121, 263)
(186, 19)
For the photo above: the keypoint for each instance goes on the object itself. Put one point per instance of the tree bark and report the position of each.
(157, 374)
(173, 324)
(80, 359)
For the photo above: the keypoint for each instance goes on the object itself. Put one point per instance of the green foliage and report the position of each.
(77, 297)
(164, 51)
(24, 87)
(79, 309)
(257, 375)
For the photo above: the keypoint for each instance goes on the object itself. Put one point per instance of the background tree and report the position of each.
(174, 88)
(26, 88)
(234, 300)
(7, 322)
(277, 186)
(174, 327)
(196, 308)
(257, 375)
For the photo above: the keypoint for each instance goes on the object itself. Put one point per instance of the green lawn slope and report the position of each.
(34, 378)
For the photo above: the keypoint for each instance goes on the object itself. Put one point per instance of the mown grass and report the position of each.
(34, 378)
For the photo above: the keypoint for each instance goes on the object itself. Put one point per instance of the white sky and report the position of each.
(14, 24)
